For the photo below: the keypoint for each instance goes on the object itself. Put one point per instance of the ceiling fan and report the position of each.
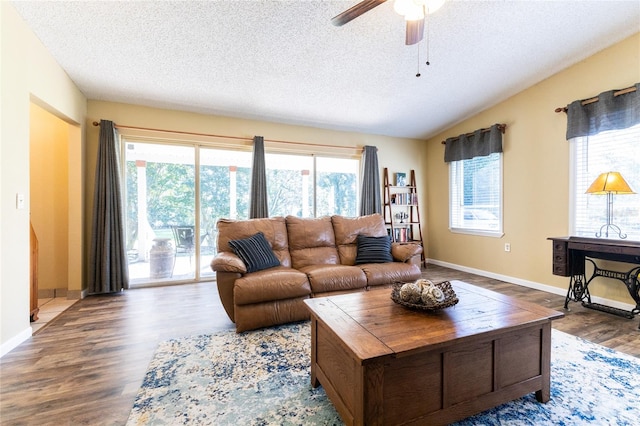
(414, 12)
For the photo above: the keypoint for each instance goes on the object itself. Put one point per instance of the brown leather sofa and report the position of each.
(317, 257)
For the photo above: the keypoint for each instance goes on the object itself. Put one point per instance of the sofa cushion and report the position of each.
(386, 273)
(328, 278)
(373, 250)
(347, 230)
(311, 241)
(277, 283)
(273, 228)
(255, 252)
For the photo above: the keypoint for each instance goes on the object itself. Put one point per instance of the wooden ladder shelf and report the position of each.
(402, 212)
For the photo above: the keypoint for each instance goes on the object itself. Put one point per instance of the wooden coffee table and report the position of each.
(382, 364)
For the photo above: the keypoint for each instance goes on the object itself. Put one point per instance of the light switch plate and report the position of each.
(19, 201)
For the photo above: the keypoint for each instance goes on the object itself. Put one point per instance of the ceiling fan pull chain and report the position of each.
(418, 49)
(426, 18)
(423, 30)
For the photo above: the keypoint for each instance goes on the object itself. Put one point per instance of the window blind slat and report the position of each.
(617, 150)
(476, 194)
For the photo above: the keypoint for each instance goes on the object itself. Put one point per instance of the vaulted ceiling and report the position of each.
(283, 61)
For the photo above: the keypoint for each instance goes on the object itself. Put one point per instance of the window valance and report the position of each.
(480, 143)
(610, 110)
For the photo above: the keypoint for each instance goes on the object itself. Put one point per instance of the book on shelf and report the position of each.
(406, 199)
(403, 234)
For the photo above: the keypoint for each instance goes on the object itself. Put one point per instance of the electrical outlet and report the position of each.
(507, 247)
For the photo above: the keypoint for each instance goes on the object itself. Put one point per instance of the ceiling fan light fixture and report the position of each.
(403, 7)
(416, 14)
(414, 10)
(432, 5)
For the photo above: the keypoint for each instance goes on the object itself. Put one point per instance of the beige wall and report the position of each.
(49, 172)
(536, 174)
(27, 73)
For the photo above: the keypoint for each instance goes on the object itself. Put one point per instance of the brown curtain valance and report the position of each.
(480, 143)
(610, 110)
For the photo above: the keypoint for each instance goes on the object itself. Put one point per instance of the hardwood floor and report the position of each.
(85, 366)
(605, 329)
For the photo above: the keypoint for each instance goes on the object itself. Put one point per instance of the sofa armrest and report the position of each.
(228, 262)
(405, 251)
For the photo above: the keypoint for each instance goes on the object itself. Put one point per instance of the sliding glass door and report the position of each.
(311, 186)
(176, 193)
(336, 186)
(160, 212)
(224, 193)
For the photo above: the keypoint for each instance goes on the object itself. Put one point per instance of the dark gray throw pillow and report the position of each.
(255, 252)
(373, 250)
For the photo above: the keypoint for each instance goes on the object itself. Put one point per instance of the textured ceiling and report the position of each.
(283, 61)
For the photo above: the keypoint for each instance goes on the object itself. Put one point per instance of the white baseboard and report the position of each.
(530, 284)
(76, 294)
(15, 341)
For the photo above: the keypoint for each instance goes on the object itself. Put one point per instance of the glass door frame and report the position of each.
(197, 255)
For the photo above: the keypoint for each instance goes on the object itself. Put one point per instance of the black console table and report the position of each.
(570, 255)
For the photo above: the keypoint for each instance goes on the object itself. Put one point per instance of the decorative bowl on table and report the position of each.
(424, 295)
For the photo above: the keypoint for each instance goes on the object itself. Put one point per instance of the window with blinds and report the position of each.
(618, 151)
(475, 195)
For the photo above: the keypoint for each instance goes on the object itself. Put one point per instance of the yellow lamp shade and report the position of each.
(609, 182)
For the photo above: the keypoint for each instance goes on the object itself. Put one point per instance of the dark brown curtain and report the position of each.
(258, 196)
(370, 199)
(108, 271)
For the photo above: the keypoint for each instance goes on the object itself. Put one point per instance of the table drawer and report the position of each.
(561, 259)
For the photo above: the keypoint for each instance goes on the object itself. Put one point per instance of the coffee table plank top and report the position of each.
(371, 325)
(363, 344)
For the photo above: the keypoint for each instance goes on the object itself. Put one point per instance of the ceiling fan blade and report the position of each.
(355, 11)
(415, 31)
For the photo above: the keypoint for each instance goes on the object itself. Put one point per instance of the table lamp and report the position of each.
(609, 183)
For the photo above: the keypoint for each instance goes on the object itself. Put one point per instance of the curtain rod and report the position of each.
(501, 127)
(596, 99)
(118, 126)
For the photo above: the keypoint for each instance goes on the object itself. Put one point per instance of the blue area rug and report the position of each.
(262, 378)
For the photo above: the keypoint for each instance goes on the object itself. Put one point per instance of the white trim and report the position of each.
(478, 232)
(454, 198)
(15, 341)
(572, 187)
(530, 284)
